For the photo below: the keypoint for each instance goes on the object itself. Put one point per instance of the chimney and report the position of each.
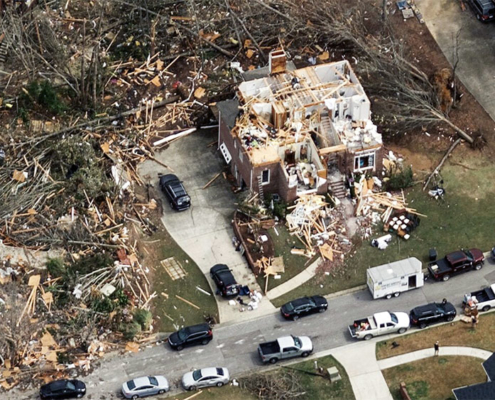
(277, 61)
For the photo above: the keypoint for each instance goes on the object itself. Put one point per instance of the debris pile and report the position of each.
(317, 225)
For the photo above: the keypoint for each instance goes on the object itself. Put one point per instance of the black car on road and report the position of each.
(190, 336)
(225, 281)
(175, 192)
(432, 313)
(304, 306)
(63, 389)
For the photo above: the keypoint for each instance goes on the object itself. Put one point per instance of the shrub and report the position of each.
(143, 318)
(400, 179)
(130, 330)
(55, 267)
(44, 95)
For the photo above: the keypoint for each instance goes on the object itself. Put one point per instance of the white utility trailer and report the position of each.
(393, 278)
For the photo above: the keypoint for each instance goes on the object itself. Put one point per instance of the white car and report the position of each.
(205, 377)
(145, 386)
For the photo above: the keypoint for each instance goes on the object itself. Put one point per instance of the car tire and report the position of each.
(450, 318)
(295, 317)
(402, 330)
(80, 395)
(179, 348)
(135, 396)
(205, 342)
(273, 360)
(388, 296)
(191, 388)
(478, 266)
(322, 310)
(368, 337)
(396, 294)
(161, 391)
(485, 308)
(219, 384)
(422, 325)
(446, 278)
(305, 354)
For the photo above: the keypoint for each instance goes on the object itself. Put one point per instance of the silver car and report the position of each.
(205, 377)
(145, 386)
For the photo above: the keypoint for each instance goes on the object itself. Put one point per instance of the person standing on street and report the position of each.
(436, 346)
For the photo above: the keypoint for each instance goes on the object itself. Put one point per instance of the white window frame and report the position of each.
(367, 154)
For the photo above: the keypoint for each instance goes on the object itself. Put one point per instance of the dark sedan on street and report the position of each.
(304, 306)
(63, 389)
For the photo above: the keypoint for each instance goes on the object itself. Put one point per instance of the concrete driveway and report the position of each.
(205, 230)
(444, 18)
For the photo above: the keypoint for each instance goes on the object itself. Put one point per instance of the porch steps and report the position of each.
(338, 189)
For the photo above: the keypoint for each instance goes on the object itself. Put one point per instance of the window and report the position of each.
(364, 161)
(265, 177)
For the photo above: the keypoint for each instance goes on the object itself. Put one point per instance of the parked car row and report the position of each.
(386, 322)
(139, 387)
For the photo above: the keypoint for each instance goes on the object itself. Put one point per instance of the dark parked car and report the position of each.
(484, 9)
(175, 192)
(63, 389)
(432, 313)
(225, 281)
(303, 306)
(190, 335)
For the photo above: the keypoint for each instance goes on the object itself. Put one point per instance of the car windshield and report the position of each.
(182, 334)
(153, 380)
(394, 318)
(469, 255)
(197, 375)
(297, 341)
(70, 385)
(220, 371)
(131, 385)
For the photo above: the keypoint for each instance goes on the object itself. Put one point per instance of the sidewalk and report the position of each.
(294, 282)
(425, 353)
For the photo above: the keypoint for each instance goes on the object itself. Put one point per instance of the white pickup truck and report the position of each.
(285, 347)
(483, 299)
(378, 324)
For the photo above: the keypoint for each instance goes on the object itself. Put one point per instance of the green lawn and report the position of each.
(450, 224)
(160, 247)
(422, 377)
(294, 264)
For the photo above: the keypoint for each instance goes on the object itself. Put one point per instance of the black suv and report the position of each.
(191, 335)
(225, 281)
(423, 316)
(174, 190)
(303, 306)
(63, 389)
(484, 9)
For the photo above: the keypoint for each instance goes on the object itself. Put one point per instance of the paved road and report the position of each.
(234, 345)
(444, 18)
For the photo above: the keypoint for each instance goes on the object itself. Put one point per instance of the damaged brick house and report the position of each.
(289, 126)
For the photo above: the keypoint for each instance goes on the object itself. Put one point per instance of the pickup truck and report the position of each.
(378, 324)
(483, 299)
(456, 263)
(285, 347)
